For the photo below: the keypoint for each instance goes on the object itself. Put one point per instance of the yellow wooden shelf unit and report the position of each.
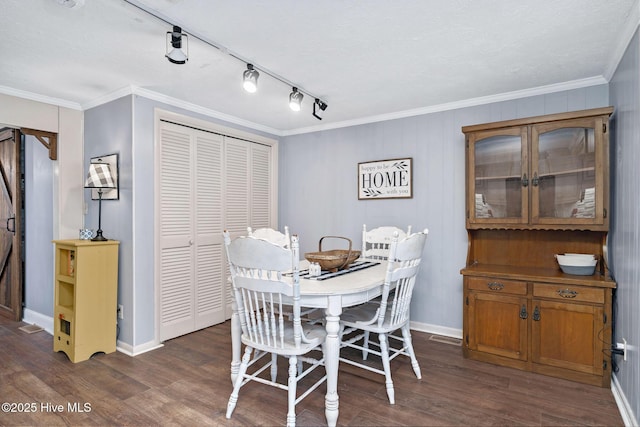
(86, 297)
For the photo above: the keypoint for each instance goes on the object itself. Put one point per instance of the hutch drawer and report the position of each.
(497, 285)
(569, 293)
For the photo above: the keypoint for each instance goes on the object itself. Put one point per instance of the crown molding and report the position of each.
(472, 102)
(40, 98)
(204, 111)
(125, 91)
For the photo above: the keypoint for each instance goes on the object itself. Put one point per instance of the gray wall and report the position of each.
(108, 130)
(318, 188)
(38, 278)
(624, 242)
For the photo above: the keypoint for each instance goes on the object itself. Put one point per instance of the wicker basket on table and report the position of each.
(333, 260)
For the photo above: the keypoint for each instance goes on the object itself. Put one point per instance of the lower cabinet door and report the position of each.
(566, 335)
(498, 324)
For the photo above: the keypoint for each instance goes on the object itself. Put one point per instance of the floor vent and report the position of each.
(30, 329)
(446, 340)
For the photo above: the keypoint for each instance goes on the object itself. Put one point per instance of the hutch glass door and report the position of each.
(566, 187)
(499, 165)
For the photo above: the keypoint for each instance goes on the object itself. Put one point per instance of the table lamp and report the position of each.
(99, 177)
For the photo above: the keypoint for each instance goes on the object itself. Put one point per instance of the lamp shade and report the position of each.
(99, 176)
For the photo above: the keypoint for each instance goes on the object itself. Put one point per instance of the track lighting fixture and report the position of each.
(250, 78)
(295, 99)
(318, 109)
(178, 53)
(175, 38)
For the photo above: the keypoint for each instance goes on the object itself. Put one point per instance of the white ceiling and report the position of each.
(368, 60)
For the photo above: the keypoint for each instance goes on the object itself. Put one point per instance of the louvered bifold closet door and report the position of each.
(175, 224)
(210, 265)
(207, 183)
(237, 190)
(248, 188)
(237, 186)
(261, 185)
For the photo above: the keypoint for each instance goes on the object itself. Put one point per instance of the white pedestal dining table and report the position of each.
(331, 294)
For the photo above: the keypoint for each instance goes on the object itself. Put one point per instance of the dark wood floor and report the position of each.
(187, 383)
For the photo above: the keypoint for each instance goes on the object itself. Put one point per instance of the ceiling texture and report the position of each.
(368, 60)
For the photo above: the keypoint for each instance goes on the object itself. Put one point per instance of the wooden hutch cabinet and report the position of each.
(538, 187)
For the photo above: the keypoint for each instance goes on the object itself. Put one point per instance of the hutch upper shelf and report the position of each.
(545, 172)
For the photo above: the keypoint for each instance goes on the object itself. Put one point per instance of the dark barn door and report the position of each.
(10, 225)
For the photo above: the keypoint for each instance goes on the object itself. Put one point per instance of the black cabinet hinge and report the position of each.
(604, 128)
(604, 212)
(467, 301)
(604, 319)
(604, 365)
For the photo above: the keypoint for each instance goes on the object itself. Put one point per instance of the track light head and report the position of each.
(318, 109)
(174, 46)
(295, 99)
(250, 79)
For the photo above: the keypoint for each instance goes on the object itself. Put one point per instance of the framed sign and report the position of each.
(385, 179)
(112, 160)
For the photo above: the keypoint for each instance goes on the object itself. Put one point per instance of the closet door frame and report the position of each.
(160, 116)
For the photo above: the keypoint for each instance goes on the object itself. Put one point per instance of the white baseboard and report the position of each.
(46, 322)
(133, 351)
(33, 317)
(436, 329)
(626, 412)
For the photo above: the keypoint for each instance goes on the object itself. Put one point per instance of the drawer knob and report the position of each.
(495, 286)
(567, 293)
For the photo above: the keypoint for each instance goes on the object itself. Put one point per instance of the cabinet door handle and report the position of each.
(525, 180)
(523, 312)
(535, 180)
(567, 293)
(495, 286)
(536, 314)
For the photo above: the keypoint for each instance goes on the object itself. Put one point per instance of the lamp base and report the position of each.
(99, 237)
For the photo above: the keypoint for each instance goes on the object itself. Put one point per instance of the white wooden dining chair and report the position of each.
(376, 242)
(390, 314)
(375, 246)
(272, 235)
(281, 239)
(284, 240)
(261, 289)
